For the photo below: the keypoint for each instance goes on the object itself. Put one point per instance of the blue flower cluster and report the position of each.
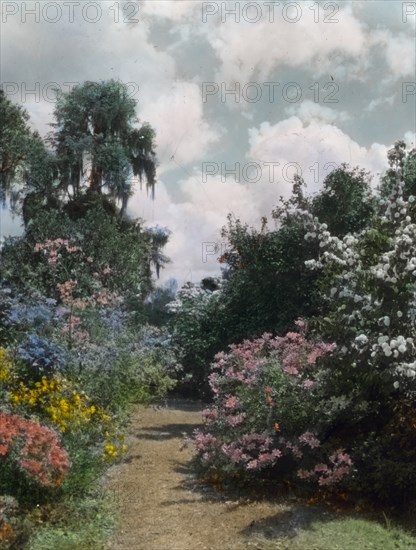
(38, 315)
(42, 353)
(115, 321)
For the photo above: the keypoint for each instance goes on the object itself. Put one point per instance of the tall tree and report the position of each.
(402, 164)
(99, 143)
(14, 141)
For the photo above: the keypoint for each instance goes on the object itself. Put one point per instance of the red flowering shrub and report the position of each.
(35, 449)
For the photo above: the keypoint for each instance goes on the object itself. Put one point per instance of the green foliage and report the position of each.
(268, 284)
(14, 141)
(98, 144)
(27, 169)
(123, 248)
(131, 379)
(155, 306)
(345, 203)
(402, 166)
(197, 334)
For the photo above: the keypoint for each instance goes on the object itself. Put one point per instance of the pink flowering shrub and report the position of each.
(264, 414)
(77, 278)
(339, 467)
(34, 449)
(53, 249)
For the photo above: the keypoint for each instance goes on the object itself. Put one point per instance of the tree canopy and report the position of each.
(99, 144)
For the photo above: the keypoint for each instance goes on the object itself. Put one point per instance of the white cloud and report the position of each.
(174, 11)
(182, 132)
(398, 50)
(345, 49)
(316, 148)
(197, 219)
(308, 110)
(375, 103)
(254, 50)
(410, 138)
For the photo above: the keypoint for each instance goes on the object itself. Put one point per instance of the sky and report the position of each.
(242, 96)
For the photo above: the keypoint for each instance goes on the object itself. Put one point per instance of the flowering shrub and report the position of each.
(75, 327)
(21, 314)
(328, 475)
(68, 262)
(42, 355)
(195, 330)
(53, 249)
(38, 314)
(58, 401)
(264, 416)
(35, 449)
(6, 366)
(370, 291)
(95, 247)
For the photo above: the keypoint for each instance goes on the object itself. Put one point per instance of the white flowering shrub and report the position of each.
(196, 324)
(370, 288)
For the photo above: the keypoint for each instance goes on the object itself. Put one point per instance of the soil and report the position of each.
(163, 506)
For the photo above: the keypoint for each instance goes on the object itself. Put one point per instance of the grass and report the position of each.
(87, 525)
(344, 534)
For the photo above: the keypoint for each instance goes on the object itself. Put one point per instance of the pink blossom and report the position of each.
(232, 402)
(209, 415)
(235, 420)
(308, 384)
(300, 323)
(308, 438)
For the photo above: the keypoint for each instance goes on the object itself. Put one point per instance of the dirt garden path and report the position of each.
(163, 507)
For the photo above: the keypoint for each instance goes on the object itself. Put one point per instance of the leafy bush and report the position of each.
(32, 449)
(41, 356)
(90, 250)
(196, 333)
(264, 416)
(128, 366)
(371, 379)
(346, 203)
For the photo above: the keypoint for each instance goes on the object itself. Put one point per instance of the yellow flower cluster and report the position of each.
(6, 366)
(113, 450)
(56, 399)
(66, 408)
